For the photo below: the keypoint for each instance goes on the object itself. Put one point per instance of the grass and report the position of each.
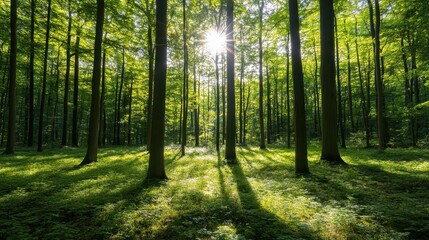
(379, 195)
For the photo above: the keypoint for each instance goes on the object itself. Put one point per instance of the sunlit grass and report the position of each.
(377, 196)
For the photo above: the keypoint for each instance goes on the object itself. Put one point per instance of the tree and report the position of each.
(230, 154)
(156, 168)
(185, 79)
(31, 72)
(67, 77)
(261, 79)
(75, 137)
(45, 66)
(11, 129)
(301, 161)
(330, 151)
(94, 121)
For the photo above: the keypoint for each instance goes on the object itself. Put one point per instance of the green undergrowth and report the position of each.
(379, 195)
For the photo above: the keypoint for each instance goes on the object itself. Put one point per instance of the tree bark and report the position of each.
(45, 65)
(11, 129)
(156, 169)
(261, 80)
(301, 161)
(30, 137)
(75, 137)
(94, 121)
(185, 80)
(330, 151)
(288, 92)
(67, 77)
(230, 154)
(102, 131)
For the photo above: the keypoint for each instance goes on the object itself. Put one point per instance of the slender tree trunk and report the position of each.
(119, 115)
(115, 125)
(365, 112)
(217, 104)
(185, 79)
(45, 65)
(241, 89)
(150, 84)
(317, 124)
(11, 130)
(101, 133)
(67, 77)
(30, 137)
(340, 107)
(288, 92)
(156, 169)
(56, 88)
(94, 121)
(261, 80)
(330, 151)
(230, 154)
(75, 136)
(301, 162)
(223, 101)
(269, 109)
(130, 112)
(382, 140)
(197, 105)
(349, 88)
(245, 114)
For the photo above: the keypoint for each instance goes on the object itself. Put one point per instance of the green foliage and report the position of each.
(380, 195)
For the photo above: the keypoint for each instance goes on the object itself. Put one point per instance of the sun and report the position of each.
(215, 41)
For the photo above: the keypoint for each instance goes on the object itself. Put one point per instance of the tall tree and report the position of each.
(94, 120)
(288, 91)
(330, 151)
(30, 136)
(261, 78)
(67, 77)
(156, 168)
(197, 105)
(11, 129)
(185, 79)
(230, 154)
(75, 137)
(45, 66)
(150, 48)
(301, 161)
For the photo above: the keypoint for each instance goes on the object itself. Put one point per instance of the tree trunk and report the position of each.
(349, 88)
(119, 107)
(75, 137)
(261, 80)
(56, 88)
(94, 121)
(11, 129)
(230, 154)
(30, 137)
(101, 133)
(45, 65)
(301, 162)
(67, 77)
(197, 106)
(130, 101)
(269, 120)
(382, 140)
(288, 92)
(340, 107)
(150, 90)
(156, 169)
(185, 79)
(217, 104)
(330, 151)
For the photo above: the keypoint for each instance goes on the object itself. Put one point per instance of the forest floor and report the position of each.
(379, 195)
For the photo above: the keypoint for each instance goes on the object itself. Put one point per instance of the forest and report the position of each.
(214, 119)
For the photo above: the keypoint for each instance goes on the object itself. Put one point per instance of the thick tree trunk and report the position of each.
(45, 66)
(67, 77)
(230, 154)
(330, 151)
(11, 129)
(301, 162)
(156, 169)
(75, 136)
(94, 121)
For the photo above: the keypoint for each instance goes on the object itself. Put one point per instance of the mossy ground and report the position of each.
(379, 195)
